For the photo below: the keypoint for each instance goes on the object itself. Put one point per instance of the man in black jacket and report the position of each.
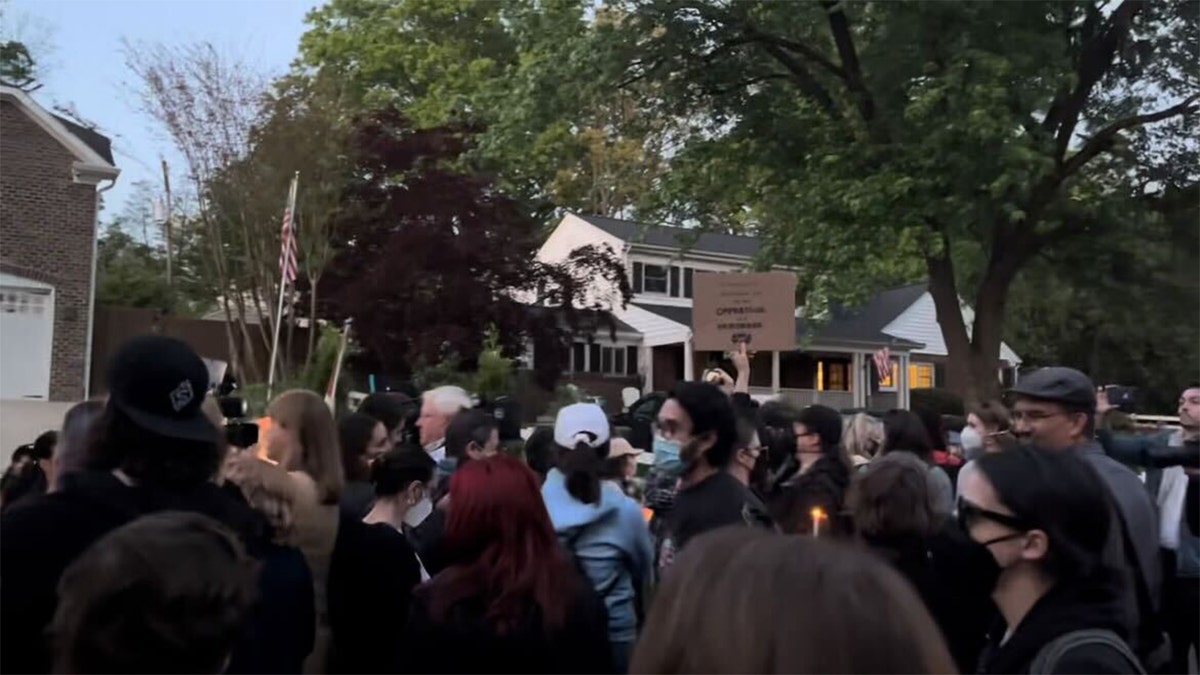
(156, 451)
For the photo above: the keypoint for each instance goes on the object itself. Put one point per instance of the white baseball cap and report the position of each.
(581, 422)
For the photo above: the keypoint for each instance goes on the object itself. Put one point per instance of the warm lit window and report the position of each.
(920, 376)
(832, 376)
(889, 383)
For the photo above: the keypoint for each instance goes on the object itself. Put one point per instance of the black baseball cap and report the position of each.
(1057, 384)
(160, 383)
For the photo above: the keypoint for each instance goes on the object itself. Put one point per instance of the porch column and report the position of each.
(688, 367)
(902, 382)
(858, 383)
(647, 369)
(775, 359)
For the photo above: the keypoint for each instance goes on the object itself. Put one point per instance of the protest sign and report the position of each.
(759, 309)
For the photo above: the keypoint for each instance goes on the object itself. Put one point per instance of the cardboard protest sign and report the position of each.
(759, 309)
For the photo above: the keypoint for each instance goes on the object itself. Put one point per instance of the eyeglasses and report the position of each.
(969, 514)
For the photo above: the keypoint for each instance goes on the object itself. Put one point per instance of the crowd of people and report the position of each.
(764, 538)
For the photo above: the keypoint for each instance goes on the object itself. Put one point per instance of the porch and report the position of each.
(839, 377)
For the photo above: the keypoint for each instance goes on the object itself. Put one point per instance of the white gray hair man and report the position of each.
(438, 407)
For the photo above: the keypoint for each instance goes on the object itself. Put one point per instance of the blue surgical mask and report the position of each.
(666, 457)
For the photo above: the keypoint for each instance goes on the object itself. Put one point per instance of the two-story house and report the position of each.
(51, 170)
(831, 363)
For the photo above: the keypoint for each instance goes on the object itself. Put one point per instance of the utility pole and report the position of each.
(167, 223)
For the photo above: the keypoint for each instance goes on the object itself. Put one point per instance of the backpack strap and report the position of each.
(1046, 661)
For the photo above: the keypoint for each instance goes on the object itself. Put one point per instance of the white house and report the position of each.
(653, 347)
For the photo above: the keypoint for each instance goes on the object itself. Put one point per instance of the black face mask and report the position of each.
(987, 569)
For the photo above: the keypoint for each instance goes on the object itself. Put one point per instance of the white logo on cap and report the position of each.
(182, 395)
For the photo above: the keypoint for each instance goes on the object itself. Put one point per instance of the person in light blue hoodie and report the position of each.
(602, 527)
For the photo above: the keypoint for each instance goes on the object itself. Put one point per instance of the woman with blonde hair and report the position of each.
(863, 438)
(303, 439)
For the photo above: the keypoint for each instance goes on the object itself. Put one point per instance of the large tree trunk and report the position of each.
(973, 356)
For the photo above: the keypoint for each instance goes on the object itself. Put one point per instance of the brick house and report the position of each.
(50, 173)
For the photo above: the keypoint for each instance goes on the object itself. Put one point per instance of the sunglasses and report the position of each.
(969, 514)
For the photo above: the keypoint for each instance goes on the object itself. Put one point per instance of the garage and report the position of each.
(26, 339)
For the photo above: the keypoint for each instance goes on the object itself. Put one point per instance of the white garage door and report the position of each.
(26, 338)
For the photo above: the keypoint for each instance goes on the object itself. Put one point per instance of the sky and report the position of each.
(78, 45)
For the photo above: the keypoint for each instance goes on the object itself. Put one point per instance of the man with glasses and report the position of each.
(1055, 408)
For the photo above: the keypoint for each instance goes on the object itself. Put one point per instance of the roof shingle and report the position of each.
(676, 237)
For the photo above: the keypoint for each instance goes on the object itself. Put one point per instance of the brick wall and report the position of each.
(46, 229)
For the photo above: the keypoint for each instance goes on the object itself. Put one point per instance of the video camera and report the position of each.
(238, 432)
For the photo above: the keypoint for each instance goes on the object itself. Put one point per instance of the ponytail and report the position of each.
(582, 467)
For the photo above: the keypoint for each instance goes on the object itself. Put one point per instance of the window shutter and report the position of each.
(631, 360)
(674, 282)
(593, 358)
(618, 361)
(687, 282)
(637, 277)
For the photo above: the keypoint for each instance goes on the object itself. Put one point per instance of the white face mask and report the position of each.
(419, 512)
(971, 440)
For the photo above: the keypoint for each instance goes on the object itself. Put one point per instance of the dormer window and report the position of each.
(654, 279)
(671, 280)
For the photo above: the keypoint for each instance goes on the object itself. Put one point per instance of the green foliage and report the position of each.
(131, 273)
(494, 373)
(16, 64)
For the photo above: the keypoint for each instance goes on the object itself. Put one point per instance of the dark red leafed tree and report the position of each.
(430, 255)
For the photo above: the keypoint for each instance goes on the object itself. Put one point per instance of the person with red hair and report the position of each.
(510, 598)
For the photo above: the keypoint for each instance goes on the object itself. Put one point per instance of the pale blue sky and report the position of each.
(79, 44)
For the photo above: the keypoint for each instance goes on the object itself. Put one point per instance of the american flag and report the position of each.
(287, 247)
(883, 364)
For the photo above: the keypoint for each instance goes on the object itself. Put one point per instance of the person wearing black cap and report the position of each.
(154, 450)
(824, 473)
(1055, 408)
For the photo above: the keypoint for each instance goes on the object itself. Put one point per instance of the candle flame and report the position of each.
(818, 513)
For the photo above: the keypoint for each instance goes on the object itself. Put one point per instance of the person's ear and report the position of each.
(1079, 422)
(1036, 546)
(706, 441)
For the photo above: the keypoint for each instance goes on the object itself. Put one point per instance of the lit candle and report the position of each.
(818, 514)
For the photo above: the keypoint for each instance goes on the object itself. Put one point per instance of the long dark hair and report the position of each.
(117, 442)
(355, 432)
(583, 466)
(1060, 494)
(904, 431)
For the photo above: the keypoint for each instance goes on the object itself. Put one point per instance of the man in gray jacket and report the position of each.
(1056, 408)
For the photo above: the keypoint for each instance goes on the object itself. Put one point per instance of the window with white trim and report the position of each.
(617, 360)
(655, 279)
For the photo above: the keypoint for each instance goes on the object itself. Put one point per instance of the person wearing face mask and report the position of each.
(748, 465)
(989, 429)
(374, 568)
(1044, 518)
(823, 477)
(694, 442)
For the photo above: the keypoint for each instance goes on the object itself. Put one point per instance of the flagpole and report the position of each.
(283, 283)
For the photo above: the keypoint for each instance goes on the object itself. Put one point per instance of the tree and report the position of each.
(132, 273)
(873, 142)
(554, 127)
(430, 259)
(1121, 308)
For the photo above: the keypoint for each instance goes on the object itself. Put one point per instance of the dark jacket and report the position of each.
(716, 501)
(371, 580)
(941, 569)
(44, 535)
(281, 631)
(1067, 607)
(823, 485)
(464, 642)
(1133, 545)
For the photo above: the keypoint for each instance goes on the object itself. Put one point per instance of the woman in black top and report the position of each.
(1045, 518)
(374, 569)
(818, 489)
(510, 598)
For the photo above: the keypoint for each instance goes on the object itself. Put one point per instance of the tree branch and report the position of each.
(839, 25)
(1095, 61)
(754, 80)
(1104, 138)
